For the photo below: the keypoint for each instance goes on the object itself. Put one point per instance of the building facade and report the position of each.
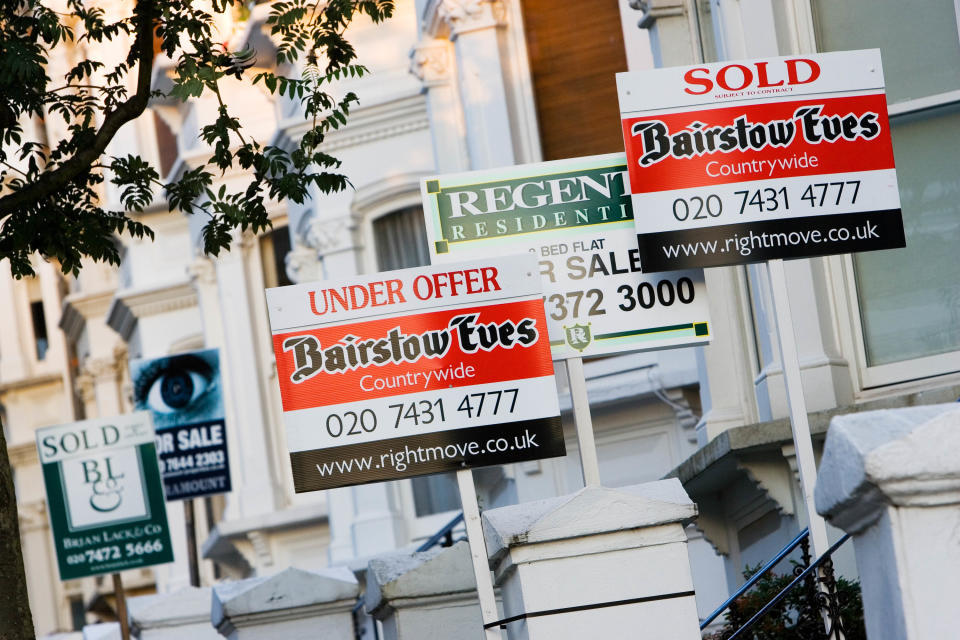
(472, 84)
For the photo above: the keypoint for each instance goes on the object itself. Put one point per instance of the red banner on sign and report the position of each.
(410, 354)
(758, 142)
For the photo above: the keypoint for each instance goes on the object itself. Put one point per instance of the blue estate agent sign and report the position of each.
(184, 394)
(104, 495)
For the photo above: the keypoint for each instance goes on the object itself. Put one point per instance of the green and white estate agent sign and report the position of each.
(576, 216)
(104, 495)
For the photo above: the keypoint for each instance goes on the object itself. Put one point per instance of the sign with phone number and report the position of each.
(576, 217)
(416, 371)
(739, 162)
(104, 495)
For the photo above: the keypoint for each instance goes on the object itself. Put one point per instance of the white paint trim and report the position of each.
(926, 102)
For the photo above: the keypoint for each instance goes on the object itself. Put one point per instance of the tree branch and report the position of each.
(126, 111)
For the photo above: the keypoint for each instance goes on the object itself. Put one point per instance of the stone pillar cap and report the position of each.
(290, 589)
(102, 631)
(438, 571)
(590, 511)
(893, 456)
(183, 606)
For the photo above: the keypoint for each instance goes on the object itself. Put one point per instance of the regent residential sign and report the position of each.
(104, 495)
(740, 162)
(410, 372)
(185, 396)
(576, 216)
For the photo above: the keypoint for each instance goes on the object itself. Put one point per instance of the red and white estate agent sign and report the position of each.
(739, 162)
(410, 372)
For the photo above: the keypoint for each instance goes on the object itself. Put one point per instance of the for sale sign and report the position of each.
(739, 162)
(410, 372)
(104, 495)
(185, 395)
(576, 217)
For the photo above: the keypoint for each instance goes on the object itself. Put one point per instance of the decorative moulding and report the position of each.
(130, 305)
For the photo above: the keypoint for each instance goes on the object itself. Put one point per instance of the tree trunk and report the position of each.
(16, 623)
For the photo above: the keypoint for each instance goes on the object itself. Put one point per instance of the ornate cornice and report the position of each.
(366, 124)
(23, 455)
(80, 307)
(453, 17)
(303, 264)
(329, 235)
(202, 271)
(33, 516)
(432, 62)
(129, 306)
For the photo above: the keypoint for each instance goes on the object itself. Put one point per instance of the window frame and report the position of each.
(371, 205)
(868, 377)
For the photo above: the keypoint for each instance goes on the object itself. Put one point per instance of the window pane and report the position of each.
(910, 298)
(401, 240)
(435, 494)
(918, 41)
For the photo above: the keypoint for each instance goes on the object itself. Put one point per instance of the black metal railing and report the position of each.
(443, 537)
(821, 588)
(821, 602)
(762, 571)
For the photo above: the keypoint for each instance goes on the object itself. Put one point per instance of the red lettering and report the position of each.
(313, 304)
(722, 77)
(334, 296)
(762, 80)
(490, 278)
(394, 292)
(416, 287)
(378, 293)
(364, 297)
(794, 78)
(706, 83)
(473, 278)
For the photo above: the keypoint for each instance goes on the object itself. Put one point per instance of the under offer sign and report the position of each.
(740, 162)
(104, 495)
(576, 216)
(418, 371)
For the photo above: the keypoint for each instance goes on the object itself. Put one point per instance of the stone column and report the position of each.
(245, 395)
(293, 605)
(600, 563)
(178, 615)
(891, 478)
(432, 594)
(473, 27)
(432, 62)
(672, 38)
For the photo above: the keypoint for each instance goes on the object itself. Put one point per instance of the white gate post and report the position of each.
(891, 479)
(600, 563)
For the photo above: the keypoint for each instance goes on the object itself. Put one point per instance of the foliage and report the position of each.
(793, 618)
(49, 190)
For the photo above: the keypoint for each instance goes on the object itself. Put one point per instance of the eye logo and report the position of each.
(179, 390)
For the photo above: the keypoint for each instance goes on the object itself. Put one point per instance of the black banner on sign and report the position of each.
(411, 456)
(733, 244)
(193, 460)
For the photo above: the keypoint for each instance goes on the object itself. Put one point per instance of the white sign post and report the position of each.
(576, 216)
(406, 373)
(761, 160)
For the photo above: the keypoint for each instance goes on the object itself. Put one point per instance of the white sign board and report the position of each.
(576, 217)
(417, 371)
(745, 161)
